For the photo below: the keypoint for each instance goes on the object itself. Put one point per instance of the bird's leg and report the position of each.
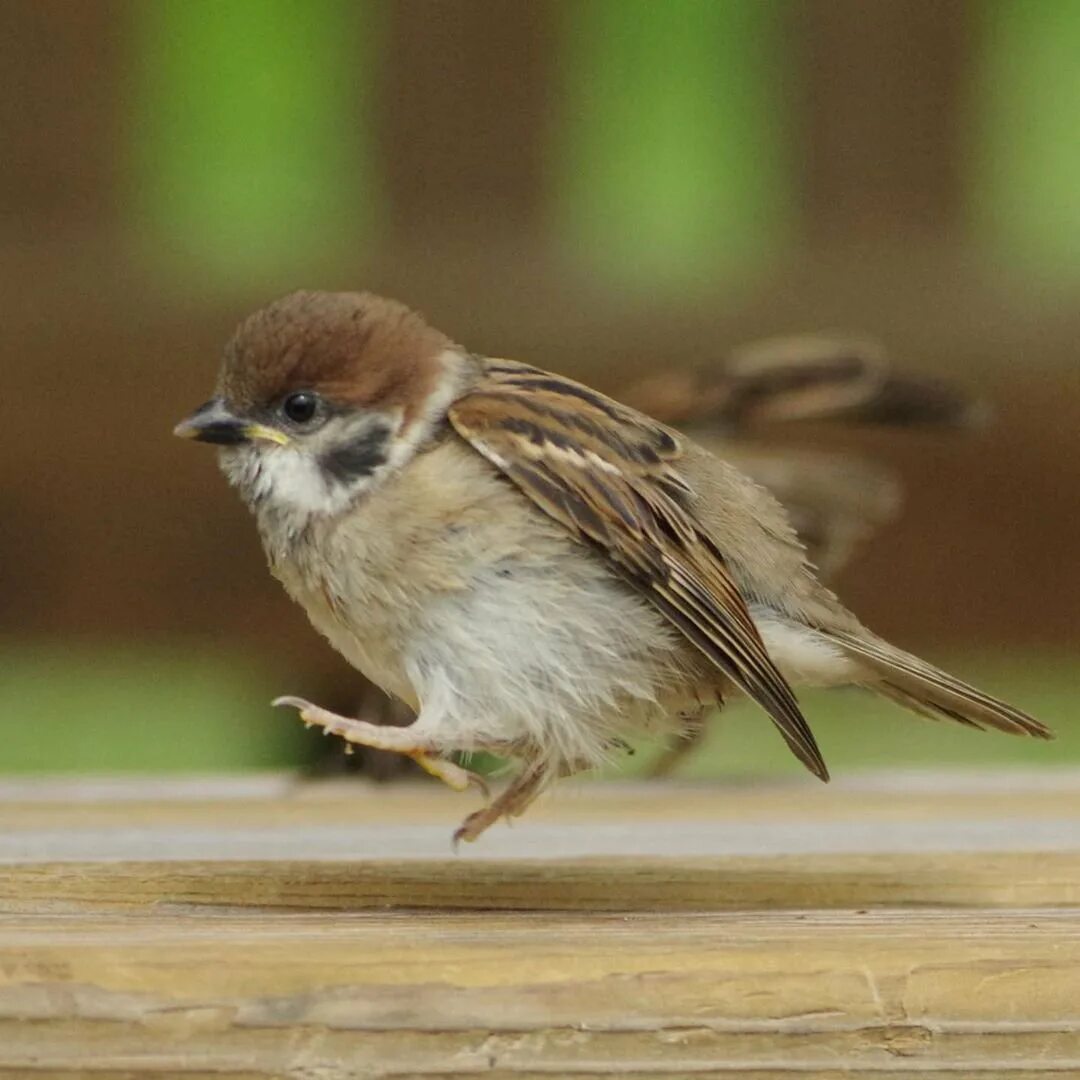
(685, 744)
(511, 802)
(693, 729)
(401, 740)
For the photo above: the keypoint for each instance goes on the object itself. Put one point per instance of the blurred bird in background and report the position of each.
(835, 500)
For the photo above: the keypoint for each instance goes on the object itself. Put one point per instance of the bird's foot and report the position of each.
(694, 730)
(476, 823)
(380, 737)
(451, 774)
(510, 803)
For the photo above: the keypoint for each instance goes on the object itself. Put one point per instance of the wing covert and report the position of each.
(608, 475)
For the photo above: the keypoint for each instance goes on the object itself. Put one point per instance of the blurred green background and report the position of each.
(606, 187)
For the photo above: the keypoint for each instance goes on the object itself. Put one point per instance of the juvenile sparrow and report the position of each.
(532, 567)
(834, 500)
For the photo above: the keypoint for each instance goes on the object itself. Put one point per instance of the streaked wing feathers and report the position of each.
(607, 474)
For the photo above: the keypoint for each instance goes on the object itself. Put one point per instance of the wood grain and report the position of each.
(825, 963)
(416, 993)
(784, 882)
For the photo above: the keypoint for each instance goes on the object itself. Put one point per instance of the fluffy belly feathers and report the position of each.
(524, 638)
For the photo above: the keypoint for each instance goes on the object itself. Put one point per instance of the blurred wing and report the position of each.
(835, 501)
(807, 377)
(606, 473)
(811, 377)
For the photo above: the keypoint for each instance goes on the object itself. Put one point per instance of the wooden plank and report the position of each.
(784, 882)
(823, 961)
(979, 841)
(913, 815)
(897, 797)
(465, 994)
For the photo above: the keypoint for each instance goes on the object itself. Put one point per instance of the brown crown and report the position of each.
(352, 348)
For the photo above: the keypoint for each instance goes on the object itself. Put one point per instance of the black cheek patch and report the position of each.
(359, 457)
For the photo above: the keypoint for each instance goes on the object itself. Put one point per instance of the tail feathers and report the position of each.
(933, 693)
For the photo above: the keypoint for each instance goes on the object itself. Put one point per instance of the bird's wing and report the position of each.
(809, 377)
(846, 379)
(608, 474)
(803, 377)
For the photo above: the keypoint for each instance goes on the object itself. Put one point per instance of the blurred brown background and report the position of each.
(607, 187)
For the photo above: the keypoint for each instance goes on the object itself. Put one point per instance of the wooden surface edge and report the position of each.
(784, 882)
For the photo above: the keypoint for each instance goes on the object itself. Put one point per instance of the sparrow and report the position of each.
(834, 500)
(535, 569)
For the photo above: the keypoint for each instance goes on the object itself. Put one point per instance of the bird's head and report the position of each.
(321, 395)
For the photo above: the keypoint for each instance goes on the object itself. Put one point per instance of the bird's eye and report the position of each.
(300, 407)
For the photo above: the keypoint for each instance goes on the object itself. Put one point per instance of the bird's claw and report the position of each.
(305, 709)
(393, 739)
(450, 773)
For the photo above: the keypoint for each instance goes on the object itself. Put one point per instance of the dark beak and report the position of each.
(213, 423)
